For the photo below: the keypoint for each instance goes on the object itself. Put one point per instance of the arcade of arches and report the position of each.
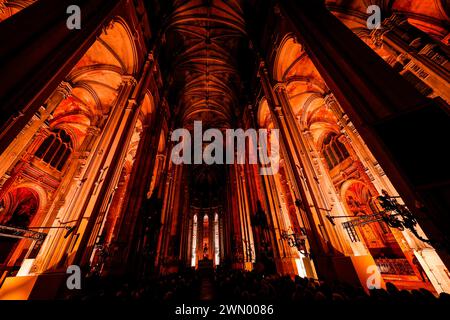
(86, 123)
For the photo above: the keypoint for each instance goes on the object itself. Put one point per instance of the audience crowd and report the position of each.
(241, 286)
(244, 287)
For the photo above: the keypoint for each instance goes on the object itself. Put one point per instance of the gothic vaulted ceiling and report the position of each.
(205, 38)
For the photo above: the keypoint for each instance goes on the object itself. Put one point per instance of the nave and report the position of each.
(225, 149)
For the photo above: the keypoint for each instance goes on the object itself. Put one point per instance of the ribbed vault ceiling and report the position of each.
(206, 35)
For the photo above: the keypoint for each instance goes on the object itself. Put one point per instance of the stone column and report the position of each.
(282, 252)
(320, 247)
(245, 214)
(236, 247)
(106, 186)
(95, 177)
(146, 157)
(116, 157)
(320, 203)
(170, 220)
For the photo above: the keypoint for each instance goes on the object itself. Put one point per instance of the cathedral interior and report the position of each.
(87, 178)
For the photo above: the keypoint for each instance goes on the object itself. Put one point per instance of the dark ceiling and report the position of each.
(207, 59)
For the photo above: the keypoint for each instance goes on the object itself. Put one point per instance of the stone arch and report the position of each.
(147, 108)
(96, 81)
(98, 76)
(20, 205)
(358, 191)
(321, 131)
(130, 51)
(20, 208)
(263, 115)
(288, 52)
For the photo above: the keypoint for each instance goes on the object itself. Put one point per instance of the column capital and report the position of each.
(263, 66)
(129, 80)
(4, 178)
(394, 21)
(65, 88)
(307, 133)
(132, 103)
(389, 24)
(280, 86)
(279, 112)
(93, 131)
(329, 99)
(377, 37)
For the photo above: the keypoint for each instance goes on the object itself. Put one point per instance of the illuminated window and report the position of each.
(56, 149)
(205, 236)
(216, 240)
(194, 241)
(333, 151)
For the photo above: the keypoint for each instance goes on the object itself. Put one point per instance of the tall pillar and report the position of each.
(132, 240)
(171, 221)
(35, 60)
(244, 210)
(129, 223)
(185, 229)
(400, 126)
(102, 190)
(319, 245)
(277, 224)
(318, 199)
(236, 247)
(167, 261)
(89, 177)
(64, 198)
